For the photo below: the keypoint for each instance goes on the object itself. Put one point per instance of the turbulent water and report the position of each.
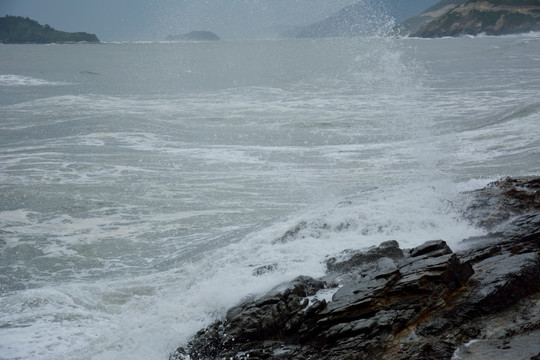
(147, 187)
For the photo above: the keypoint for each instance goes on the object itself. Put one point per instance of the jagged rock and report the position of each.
(261, 270)
(501, 200)
(278, 315)
(421, 303)
(376, 305)
(433, 248)
(292, 233)
(351, 260)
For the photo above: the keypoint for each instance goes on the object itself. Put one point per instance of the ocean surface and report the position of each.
(145, 188)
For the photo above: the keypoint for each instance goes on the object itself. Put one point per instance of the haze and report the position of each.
(129, 20)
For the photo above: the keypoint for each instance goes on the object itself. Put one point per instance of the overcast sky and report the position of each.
(122, 20)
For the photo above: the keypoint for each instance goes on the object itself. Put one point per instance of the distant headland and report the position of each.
(490, 17)
(22, 30)
(195, 36)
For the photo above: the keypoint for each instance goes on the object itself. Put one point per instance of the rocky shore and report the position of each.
(391, 303)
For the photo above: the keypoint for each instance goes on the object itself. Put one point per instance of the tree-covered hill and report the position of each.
(22, 30)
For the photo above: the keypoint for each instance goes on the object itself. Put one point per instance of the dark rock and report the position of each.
(501, 200)
(433, 248)
(292, 233)
(313, 229)
(526, 224)
(431, 350)
(350, 260)
(276, 316)
(261, 270)
(422, 303)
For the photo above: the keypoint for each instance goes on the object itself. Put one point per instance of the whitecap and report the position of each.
(20, 80)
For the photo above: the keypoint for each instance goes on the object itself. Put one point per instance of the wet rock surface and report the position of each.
(391, 303)
(501, 200)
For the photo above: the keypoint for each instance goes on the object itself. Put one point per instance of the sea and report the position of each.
(147, 187)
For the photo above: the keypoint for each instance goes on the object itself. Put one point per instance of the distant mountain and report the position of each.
(21, 30)
(363, 18)
(195, 36)
(414, 24)
(354, 20)
(492, 17)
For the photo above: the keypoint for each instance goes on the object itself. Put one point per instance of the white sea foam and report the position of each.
(121, 318)
(20, 80)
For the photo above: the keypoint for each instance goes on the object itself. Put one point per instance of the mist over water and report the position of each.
(145, 185)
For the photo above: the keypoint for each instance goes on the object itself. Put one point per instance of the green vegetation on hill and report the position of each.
(21, 30)
(414, 24)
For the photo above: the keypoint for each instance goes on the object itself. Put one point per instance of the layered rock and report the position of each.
(493, 205)
(393, 303)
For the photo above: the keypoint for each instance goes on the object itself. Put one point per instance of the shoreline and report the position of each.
(422, 303)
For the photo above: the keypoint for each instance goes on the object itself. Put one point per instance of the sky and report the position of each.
(131, 20)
